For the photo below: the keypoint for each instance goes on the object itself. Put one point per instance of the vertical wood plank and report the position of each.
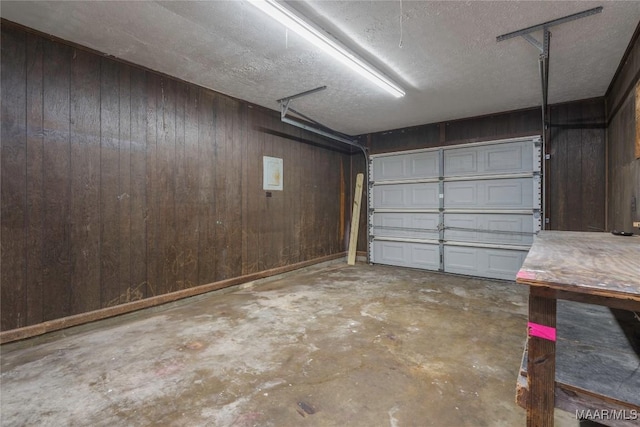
(541, 363)
(86, 205)
(306, 200)
(254, 191)
(573, 191)
(13, 175)
(191, 190)
(292, 179)
(57, 180)
(182, 212)
(233, 190)
(124, 185)
(35, 184)
(206, 141)
(244, 127)
(221, 223)
(285, 150)
(266, 257)
(558, 163)
(329, 202)
(152, 188)
(593, 168)
(357, 200)
(277, 213)
(181, 196)
(109, 175)
(166, 145)
(138, 150)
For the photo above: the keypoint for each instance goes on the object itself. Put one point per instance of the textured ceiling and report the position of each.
(449, 62)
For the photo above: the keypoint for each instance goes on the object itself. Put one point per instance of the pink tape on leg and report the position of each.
(541, 331)
(523, 274)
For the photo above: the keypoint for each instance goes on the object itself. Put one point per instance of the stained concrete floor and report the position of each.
(326, 346)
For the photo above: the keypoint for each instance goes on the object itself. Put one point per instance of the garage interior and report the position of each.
(178, 183)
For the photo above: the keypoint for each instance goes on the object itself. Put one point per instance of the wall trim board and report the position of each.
(613, 110)
(109, 312)
(306, 141)
(621, 101)
(623, 61)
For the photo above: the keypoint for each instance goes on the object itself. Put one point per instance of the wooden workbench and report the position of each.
(592, 268)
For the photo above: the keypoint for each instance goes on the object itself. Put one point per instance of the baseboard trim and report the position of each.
(105, 313)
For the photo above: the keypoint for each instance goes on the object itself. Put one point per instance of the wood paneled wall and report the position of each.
(577, 168)
(119, 184)
(623, 166)
(576, 171)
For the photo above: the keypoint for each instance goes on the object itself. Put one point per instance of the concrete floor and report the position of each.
(326, 346)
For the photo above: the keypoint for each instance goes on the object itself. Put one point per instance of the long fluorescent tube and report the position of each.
(295, 23)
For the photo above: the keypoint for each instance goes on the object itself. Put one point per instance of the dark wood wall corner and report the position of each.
(623, 164)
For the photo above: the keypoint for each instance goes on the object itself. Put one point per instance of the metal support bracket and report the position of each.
(532, 41)
(549, 24)
(543, 63)
(284, 108)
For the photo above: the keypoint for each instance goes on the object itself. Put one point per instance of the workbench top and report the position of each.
(599, 264)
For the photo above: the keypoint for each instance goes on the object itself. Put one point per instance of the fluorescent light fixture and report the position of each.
(325, 42)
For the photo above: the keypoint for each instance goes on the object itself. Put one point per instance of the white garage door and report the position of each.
(469, 209)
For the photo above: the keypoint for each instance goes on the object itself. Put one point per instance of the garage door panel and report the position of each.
(407, 225)
(461, 227)
(461, 162)
(510, 193)
(506, 158)
(513, 229)
(424, 166)
(460, 259)
(461, 194)
(484, 262)
(406, 166)
(406, 196)
(407, 254)
(477, 219)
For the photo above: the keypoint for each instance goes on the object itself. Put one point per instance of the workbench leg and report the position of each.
(541, 360)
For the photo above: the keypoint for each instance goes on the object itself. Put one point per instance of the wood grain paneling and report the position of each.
(137, 288)
(236, 141)
(35, 183)
(166, 177)
(124, 186)
(623, 166)
(86, 160)
(120, 184)
(206, 185)
(57, 181)
(14, 179)
(152, 188)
